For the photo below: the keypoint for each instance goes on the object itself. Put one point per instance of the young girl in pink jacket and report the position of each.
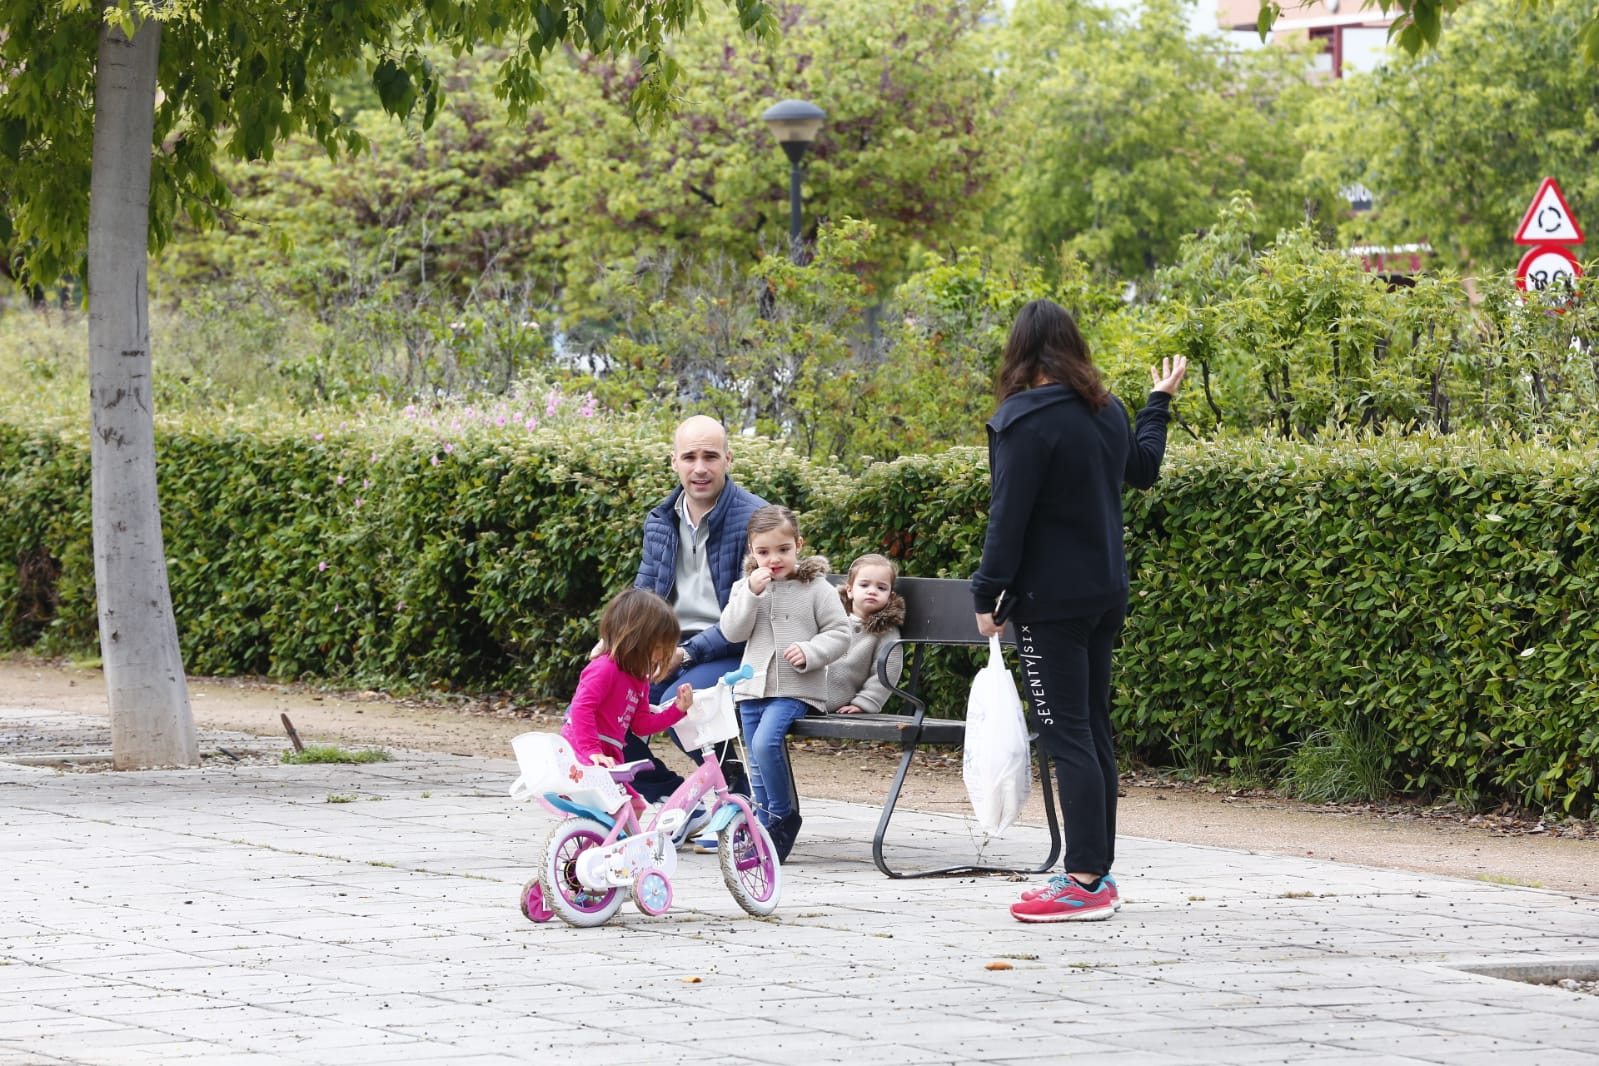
(639, 635)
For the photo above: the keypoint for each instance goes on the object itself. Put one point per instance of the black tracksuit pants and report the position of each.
(1066, 666)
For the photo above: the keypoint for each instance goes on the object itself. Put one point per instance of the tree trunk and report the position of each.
(151, 724)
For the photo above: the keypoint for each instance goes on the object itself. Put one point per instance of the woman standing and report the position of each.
(1059, 450)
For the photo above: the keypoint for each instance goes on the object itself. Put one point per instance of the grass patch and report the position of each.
(314, 753)
(1501, 879)
(1345, 762)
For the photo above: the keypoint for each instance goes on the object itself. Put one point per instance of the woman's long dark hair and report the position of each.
(1045, 344)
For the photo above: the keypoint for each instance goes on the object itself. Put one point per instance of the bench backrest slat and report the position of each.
(938, 610)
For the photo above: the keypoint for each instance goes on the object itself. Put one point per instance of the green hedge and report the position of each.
(1439, 596)
(1436, 596)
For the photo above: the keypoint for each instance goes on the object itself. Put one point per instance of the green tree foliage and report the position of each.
(814, 353)
(1297, 339)
(1129, 132)
(908, 141)
(1453, 143)
(556, 197)
(1418, 24)
(240, 76)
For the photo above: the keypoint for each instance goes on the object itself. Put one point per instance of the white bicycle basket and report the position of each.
(550, 767)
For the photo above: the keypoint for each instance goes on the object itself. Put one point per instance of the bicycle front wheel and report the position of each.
(749, 865)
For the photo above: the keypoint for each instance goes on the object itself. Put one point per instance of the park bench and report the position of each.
(938, 613)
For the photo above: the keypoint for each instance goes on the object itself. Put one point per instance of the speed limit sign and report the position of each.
(1548, 267)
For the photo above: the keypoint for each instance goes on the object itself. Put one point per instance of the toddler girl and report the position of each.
(640, 635)
(793, 625)
(875, 613)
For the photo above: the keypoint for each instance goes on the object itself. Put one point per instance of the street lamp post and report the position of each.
(794, 123)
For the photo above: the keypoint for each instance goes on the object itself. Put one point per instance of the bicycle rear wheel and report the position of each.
(749, 865)
(569, 898)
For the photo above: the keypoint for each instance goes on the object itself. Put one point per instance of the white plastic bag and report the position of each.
(995, 762)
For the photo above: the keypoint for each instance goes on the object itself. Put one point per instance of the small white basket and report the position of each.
(551, 768)
(711, 720)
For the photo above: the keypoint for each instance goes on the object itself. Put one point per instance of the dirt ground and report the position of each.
(1502, 848)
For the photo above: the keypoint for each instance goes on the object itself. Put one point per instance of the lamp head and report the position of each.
(795, 124)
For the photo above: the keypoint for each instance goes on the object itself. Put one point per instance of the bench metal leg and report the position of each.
(893, 798)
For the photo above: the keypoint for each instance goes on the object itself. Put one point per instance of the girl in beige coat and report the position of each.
(876, 612)
(793, 625)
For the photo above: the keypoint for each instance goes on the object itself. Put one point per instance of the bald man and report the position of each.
(694, 545)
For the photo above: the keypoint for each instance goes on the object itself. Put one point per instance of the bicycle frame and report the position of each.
(630, 848)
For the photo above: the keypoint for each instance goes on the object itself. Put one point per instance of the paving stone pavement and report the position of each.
(241, 915)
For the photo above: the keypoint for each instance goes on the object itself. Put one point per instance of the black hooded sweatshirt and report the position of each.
(1054, 541)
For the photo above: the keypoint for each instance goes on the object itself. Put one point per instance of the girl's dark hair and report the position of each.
(772, 516)
(637, 627)
(1045, 344)
(865, 560)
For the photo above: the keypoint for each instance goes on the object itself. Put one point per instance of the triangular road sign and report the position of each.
(1548, 220)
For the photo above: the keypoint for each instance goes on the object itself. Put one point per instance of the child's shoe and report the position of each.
(1064, 900)
(697, 819)
(706, 845)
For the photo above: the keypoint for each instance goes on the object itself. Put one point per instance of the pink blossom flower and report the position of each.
(339, 480)
(359, 501)
(321, 566)
(449, 446)
(433, 459)
(366, 483)
(316, 436)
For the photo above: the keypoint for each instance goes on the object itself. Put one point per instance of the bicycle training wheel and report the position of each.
(749, 865)
(533, 908)
(652, 892)
(569, 898)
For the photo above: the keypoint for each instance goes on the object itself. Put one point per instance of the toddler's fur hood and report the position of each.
(809, 569)
(892, 616)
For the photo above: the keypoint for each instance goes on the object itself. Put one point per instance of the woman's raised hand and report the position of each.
(1168, 377)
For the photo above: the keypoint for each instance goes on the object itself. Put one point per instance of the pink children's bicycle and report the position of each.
(599, 852)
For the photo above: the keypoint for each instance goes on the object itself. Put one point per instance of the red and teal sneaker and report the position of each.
(1064, 900)
(1108, 881)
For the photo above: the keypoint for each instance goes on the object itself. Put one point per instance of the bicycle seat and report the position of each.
(628, 770)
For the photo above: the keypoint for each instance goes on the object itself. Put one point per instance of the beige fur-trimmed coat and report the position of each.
(852, 678)
(803, 610)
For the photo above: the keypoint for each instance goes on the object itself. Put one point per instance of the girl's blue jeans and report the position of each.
(766, 724)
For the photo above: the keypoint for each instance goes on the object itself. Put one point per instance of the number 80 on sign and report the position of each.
(1548, 267)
